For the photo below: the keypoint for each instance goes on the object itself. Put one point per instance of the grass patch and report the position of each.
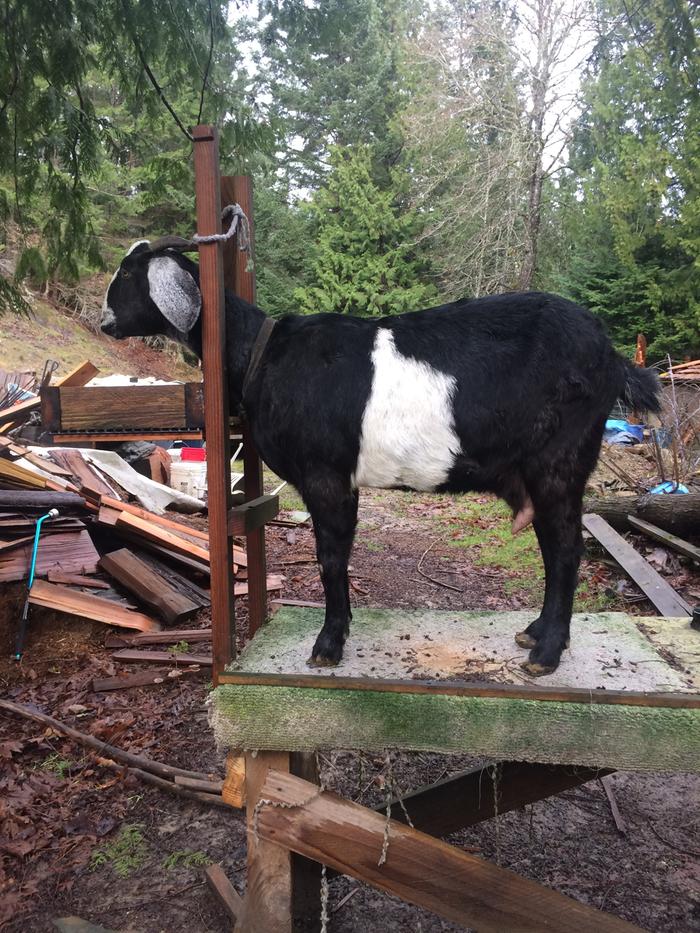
(182, 647)
(290, 500)
(483, 525)
(186, 858)
(126, 853)
(55, 764)
(374, 546)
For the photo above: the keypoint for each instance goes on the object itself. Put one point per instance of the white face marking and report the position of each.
(408, 434)
(134, 245)
(108, 316)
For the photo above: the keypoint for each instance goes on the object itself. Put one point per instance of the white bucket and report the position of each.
(189, 476)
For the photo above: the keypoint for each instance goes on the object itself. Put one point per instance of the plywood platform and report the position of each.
(627, 694)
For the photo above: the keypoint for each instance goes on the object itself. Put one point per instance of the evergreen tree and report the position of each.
(81, 82)
(632, 199)
(363, 262)
(331, 73)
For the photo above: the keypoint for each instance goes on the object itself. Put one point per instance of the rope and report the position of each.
(238, 219)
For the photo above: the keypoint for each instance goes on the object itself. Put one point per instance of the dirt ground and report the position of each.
(78, 839)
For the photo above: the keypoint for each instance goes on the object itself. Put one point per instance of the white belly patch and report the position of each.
(408, 433)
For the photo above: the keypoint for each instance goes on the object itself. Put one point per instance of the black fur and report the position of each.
(536, 378)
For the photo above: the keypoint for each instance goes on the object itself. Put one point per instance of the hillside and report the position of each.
(27, 342)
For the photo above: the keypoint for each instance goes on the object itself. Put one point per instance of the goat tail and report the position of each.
(642, 389)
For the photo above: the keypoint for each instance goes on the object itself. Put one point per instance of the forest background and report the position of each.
(404, 152)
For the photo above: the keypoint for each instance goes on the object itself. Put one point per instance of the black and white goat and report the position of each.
(507, 394)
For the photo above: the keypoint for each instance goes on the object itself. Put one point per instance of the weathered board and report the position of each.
(122, 407)
(652, 584)
(478, 701)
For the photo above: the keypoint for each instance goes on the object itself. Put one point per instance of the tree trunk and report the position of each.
(679, 514)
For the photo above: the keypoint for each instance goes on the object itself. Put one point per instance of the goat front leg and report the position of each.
(333, 507)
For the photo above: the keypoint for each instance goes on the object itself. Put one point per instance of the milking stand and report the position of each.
(275, 715)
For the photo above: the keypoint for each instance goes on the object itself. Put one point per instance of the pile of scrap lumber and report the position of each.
(102, 558)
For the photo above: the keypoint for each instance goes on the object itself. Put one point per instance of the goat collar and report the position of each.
(256, 353)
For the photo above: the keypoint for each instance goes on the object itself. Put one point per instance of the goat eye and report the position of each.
(125, 274)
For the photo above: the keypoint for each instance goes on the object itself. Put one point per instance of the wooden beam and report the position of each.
(581, 695)
(150, 587)
(52, 596)
(157, 657)
(665, 537)
(418, 868)
(80, 376)
(123, 407)
(171, 637)
(146, 678)
(162, 536)
(216, 408)
(652, 584)
(240, 279)
(469, 798)
(252, 514)
(224, 892)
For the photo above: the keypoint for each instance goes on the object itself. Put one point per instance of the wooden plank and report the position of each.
(115, 407)
(83, 472)
(146, 678)
(168, 523)
(76, 579)
(249, 516)
(466, 689)
(224, 892)
(269, 889)
(171, 637)
(61, 599)
(80, 376)
(469, 798)
(183, 530)
(153, 657)
(418, 868)
(216, 407)
(161, 536)
(665, 537)
(79, 438)
(194, 404)
(274, 582)
(72, 551)
(19, 412)
(149, 586)
(652, 584)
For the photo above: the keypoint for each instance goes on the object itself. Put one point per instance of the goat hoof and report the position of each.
(318, 661)
(525, 640)
(537, 670)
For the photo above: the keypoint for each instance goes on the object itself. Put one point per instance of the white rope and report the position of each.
(238, 219)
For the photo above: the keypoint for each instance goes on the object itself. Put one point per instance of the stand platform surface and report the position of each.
(626, 695)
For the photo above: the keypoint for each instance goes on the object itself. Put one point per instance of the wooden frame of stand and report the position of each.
(300, 825)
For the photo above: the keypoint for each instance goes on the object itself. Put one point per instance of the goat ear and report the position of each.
(174, 292)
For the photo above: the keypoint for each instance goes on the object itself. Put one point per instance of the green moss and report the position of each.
(126, 853)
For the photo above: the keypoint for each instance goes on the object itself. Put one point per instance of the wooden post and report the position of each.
(216, 410)
(283, 894)
(239, 277)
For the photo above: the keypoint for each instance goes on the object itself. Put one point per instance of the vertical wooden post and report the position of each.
(239, 277)
(268, 901)
(283, 893)
(216, 410)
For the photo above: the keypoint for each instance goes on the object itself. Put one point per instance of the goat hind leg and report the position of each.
(562, 528)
